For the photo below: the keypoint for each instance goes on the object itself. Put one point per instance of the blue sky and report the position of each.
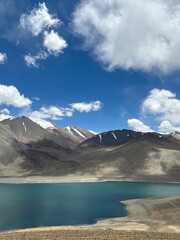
(100, 66)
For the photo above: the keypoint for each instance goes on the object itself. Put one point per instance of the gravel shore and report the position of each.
(86, 234)
(153, 214)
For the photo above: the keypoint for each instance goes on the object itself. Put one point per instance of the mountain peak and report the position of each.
(78, 132)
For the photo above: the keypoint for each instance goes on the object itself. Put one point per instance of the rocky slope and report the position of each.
(121, 137)
(26, 149)
(70, 136)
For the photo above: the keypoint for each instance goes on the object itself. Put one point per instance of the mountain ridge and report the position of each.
(27, 149)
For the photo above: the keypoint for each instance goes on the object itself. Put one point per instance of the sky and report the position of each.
(99, 65)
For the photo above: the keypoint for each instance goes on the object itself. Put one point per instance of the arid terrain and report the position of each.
(153, 214)
(86, 234)
(29, 152)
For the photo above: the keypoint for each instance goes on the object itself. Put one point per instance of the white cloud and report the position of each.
(3, 58)
(166, 127)
(139, 126)
(39, 19)
(10, 96)
(36, 98)
(46, 114)
(41, 23)
(54, 43)
(87, 107)
(51, 113)
(4, 116)
(163, 108)
(5, 111)
(163, 104)
(141, 35)
(31, 61)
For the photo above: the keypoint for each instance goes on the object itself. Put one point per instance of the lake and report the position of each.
(38, 205)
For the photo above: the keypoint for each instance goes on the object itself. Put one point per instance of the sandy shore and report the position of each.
(158, 214)
(148, 219)
(41, 179)
(74, 179)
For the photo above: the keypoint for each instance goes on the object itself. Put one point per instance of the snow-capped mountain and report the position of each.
(79, 133)
(27, 131)
(71, 135)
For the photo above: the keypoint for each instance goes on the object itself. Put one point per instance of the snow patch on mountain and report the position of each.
(69, 129)
(100, 137)
(114, 135)
(24, 126)
(79, 133)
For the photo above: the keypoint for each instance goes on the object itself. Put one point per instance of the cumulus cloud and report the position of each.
(140, 35)
(166, 127)
(3, 58)
(163, 104)
(51, 113)
(4, 114)
(10, 96)
(87, 107)
(139, 126)
(163, 108)
(39, 19)
(39, 22)
(47, 114)
(31, 61)
(5, 111)
(54, 43)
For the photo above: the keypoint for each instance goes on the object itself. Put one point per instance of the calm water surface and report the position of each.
(37, 205)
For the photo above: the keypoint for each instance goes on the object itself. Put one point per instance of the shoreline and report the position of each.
(149, 215)
(76, 179)
(145, 217)
(149, 218)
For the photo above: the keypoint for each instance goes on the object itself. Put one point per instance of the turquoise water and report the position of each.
(38, 205)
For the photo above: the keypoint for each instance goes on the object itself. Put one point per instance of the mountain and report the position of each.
(27, 131)
(176, 135)
(70, 136)
(27, 149)
(24, 130)
(120, 137)
(125, 154)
